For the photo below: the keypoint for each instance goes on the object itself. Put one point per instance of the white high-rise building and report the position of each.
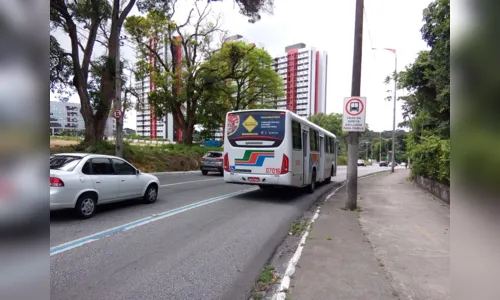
(304, 73)
(66, 117)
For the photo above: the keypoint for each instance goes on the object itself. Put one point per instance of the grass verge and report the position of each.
(164, 158)
(266, 279)
(298, 227)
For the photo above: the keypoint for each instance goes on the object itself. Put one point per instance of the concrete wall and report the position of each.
(435, 188)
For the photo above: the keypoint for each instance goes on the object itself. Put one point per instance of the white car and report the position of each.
(82, 181)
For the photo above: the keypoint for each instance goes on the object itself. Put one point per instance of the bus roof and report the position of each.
(294, 116)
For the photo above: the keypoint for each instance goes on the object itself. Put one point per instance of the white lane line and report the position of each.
(193, 181)
(96, 236)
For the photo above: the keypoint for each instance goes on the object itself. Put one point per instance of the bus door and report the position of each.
(321, 167)
(335, 152)
(305, 157)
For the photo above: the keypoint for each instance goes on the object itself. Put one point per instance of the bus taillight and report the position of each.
(226, 162)
(285, 163)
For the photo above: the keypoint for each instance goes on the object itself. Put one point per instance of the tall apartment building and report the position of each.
(147, 124)
(304, 73)
(67, 117)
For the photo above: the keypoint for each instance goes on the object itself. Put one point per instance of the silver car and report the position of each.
(81, 181)
(212, 162)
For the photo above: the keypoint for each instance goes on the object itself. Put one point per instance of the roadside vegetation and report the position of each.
(163, 158)
(342, 160)
(266, 279)
(426, 108)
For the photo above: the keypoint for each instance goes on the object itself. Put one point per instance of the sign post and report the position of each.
(353, 138)
(354, 114)
(353, 121)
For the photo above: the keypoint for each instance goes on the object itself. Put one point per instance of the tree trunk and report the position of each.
(188, 131)
(89, 130)
(95, 126)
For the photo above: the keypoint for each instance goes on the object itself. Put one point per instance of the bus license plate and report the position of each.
(253, 179)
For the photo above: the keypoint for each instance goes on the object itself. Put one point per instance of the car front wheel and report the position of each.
(151, 194)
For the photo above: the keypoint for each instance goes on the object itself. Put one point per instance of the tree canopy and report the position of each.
(88, 23)
(244, 75)
(426, 108)
(181, 83)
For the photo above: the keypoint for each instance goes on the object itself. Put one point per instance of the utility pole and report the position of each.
(353, 138)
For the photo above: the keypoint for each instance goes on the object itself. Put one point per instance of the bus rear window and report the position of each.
(256, 129)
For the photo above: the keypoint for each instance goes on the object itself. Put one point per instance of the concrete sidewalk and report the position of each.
(396, 247)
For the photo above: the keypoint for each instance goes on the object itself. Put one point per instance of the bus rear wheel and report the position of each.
(312, 186)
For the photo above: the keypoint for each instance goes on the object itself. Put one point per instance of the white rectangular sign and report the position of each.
(354, 114)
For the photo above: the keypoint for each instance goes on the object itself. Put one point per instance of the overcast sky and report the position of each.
(329, 25)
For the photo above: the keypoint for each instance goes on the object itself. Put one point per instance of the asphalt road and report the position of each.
(203, 239)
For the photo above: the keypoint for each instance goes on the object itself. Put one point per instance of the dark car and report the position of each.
(212, 162)
(382, 164)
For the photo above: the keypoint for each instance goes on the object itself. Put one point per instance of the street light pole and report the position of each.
(380, 148)
(394, 109)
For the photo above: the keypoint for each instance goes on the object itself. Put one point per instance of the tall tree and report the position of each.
(426, 108)
(249, 8)
(83, 21)
(428, 78)
(331, 122)
(245, 74)
(171, 57)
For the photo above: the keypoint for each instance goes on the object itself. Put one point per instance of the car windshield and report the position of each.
(64, 162)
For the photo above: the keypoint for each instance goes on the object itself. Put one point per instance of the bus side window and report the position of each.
(327, 144)
(314, 140)
(317, 140)
(296, 136)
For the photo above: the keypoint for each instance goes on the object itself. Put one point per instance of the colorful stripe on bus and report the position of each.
(254, 158)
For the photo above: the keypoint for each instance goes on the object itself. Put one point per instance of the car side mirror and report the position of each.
(137, 172)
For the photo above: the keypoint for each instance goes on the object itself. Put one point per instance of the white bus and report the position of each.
(277, 148)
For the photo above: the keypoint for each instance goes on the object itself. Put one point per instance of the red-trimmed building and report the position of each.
(304, 73)
(147, 124)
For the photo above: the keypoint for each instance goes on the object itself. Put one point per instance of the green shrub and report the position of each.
(475, 156)
(430, 157)
(342, 160)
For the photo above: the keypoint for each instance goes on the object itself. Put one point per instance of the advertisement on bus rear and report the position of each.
(260, 129)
